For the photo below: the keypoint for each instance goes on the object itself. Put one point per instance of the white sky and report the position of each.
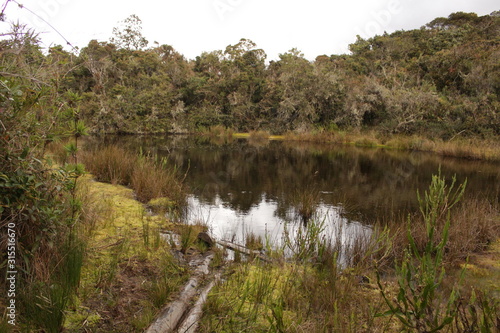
(315, 27)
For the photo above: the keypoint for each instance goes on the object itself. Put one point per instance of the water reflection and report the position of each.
(264, 221)
(241, 187)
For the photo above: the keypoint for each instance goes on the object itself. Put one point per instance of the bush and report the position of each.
(420, 274)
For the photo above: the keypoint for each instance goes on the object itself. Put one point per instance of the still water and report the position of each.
(263, 187)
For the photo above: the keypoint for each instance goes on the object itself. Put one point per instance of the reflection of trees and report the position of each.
(368, 182)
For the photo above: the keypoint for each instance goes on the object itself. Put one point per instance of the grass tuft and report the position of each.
(148, 176)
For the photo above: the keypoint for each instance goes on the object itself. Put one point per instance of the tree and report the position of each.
(129, 36)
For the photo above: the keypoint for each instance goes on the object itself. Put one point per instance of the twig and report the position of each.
(24, 77)
(453, 137)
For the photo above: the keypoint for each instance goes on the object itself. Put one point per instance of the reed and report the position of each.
(474, 226)
(218, 131)
(307, 289)
(149, 176)
(259, 135)
(188, 234)
(305, 200)
(110, 164)
(253, 242)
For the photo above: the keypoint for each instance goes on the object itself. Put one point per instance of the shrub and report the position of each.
(418, 305)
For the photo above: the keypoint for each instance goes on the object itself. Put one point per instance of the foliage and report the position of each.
(437, 81)
(440, 81)
(39, 202)
(420, 305)
(130, 37)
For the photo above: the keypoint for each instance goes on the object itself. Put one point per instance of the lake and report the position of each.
(266, 187)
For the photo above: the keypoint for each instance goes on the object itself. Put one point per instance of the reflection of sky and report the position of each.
(231, 225)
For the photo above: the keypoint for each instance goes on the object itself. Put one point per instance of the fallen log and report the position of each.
(190, 324)
(169, 318)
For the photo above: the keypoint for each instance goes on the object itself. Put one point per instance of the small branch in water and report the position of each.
(244, 250)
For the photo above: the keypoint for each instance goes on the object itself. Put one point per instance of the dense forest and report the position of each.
(438, 80)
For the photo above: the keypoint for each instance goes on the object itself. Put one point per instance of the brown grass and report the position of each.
(149, 177)
(219, 131)
(253, 242)
(110, 164)
(152, 179)
(456, 147)
(475, 223)
(259, 135)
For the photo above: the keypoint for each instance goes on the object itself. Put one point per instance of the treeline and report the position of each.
(439, 80)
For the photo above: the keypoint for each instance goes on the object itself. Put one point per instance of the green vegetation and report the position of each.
(421, 272)
(129, 270)
(76, 250)
(41, 205)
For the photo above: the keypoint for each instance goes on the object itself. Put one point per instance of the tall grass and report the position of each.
(305, 202)
(419, 307)
(110, 164)
(152, 178)
(44, 297)
(218, 131)
(310, 292)
(254, 242)
(455, 147)
(148, 176)
(45, 302)
(189, 235)
(474, 225)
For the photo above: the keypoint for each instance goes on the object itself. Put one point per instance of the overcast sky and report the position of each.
(315, 27)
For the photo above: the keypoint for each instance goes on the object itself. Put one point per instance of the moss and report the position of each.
(483, 272)
(161, 204)
(85, 317)
(125, 255)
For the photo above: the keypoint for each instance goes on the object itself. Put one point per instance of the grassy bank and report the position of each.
(129, 271)
(468, 148)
